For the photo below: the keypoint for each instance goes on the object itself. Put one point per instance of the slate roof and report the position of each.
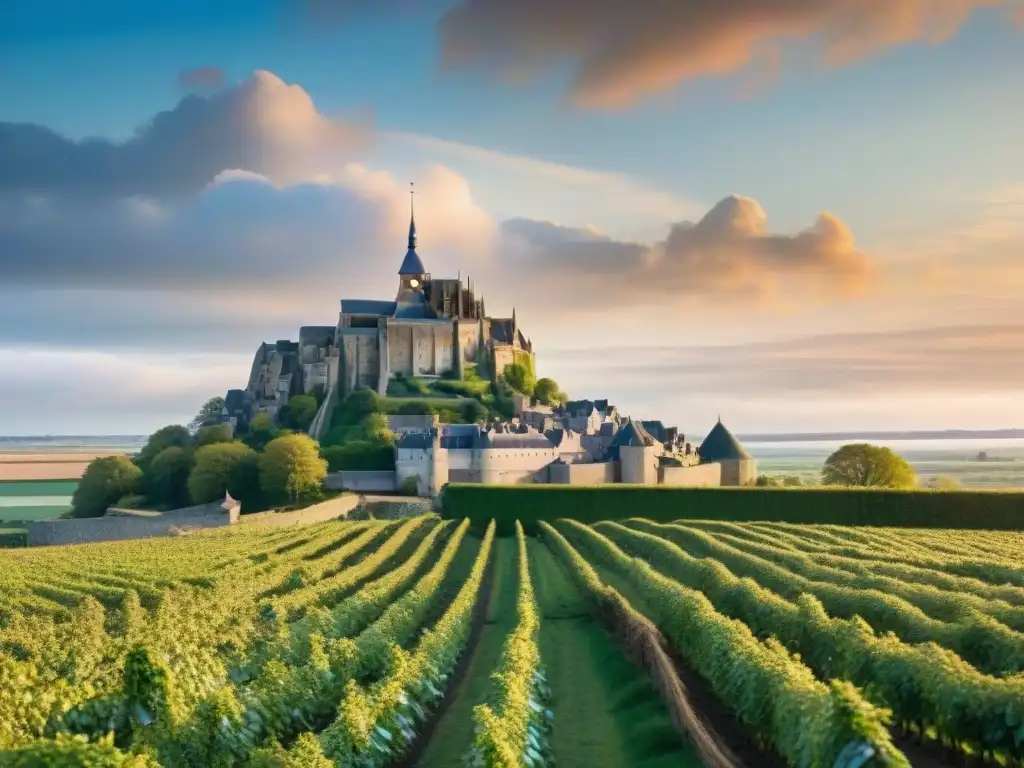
(412, 264)
(720, 445)
(656, 429)
(632, 434)
(368, 307)
(414, 311)
(415, 440)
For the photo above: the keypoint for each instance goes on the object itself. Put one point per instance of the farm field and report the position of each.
(427, 642)
(35, 499)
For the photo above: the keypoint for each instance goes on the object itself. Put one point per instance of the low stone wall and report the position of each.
(376, 481)
(698, 476)
(391, 509)
(117, 527)
(340, 506)
(583, 474)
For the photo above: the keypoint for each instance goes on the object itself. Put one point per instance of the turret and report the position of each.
(411, 275)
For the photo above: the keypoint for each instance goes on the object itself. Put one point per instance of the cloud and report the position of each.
(623, 51)
(261, 125)
(728, 253)
(242, 232)
(201, 77)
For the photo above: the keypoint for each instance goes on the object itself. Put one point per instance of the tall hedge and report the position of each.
(840, 506)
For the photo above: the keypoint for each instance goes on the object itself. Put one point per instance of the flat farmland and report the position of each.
(434, 643)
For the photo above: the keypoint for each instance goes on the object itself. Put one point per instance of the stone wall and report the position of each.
(118, 527)
(365, 482)
(338, 507)
(739, 472)
(584, 474)
(699, 476)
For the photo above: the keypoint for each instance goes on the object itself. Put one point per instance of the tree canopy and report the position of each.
(214, 433)
(166, 478)
(211, 411)
(301, 411)
(261, 432)
(867, 465)
(221, 468)
(165, 437)
(291, 468)
(520, 378)
(546, 392)
(375, 425)
(105, 480)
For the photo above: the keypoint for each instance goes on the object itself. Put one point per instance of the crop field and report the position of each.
(423, 642)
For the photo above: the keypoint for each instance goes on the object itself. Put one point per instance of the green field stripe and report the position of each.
(37, 487)
(606, 713)
(454, 733)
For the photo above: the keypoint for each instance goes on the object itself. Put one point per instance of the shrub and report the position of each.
(868, 465)
(359, 456)
(220, 469)
(410, 487)
(105, 481)
(301, 412)
(837, 506)
(291, 468)
(472, 412)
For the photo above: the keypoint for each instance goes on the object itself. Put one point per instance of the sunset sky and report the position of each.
(805, 215)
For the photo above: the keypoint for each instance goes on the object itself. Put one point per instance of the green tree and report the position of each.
(219, 469)
(301, 410)
(166, 478)
(165, 437)
(362, 402)
(867, 465)
(291, 468)
(261, 432)
(947, 483)
(104, 481)
(473, 411)
(415, 408)
(375, 426)
(214, 433)
(519, 377)
(547, 392)
(210, 412)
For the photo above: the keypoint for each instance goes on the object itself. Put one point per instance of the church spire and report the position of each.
(412, 217)
(412, 265)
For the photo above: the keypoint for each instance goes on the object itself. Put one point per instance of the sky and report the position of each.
(801, 215)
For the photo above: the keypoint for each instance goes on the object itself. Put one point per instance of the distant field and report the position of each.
(953, 458)
(34, 499)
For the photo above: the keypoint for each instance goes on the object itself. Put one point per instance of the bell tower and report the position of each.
(412, 276)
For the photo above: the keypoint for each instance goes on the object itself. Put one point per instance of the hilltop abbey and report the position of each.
(433, 327)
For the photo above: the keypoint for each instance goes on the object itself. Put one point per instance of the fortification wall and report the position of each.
(584, 474)
(698, 476)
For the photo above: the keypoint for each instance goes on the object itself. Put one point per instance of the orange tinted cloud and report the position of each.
(729, 254)
(625, 50)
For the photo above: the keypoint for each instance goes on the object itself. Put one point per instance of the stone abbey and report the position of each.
(433, 328)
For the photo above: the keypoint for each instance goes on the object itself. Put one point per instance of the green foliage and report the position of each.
(223, 468)
(166, 437)
(261, 432)
(291, 468)
(410, 487)
(546, 392)
(779, 481)
(868, 465)
(13, 538)
(214, 433)
(415, 408)
(105, 481)
(375, 427)
(946, 483)
(768, 688)
(359, 456)
(404, 386)
(840, 506)
(166, 479)
(520, 378)
(301, 411)
(472, 411)
(210, 412)
(503, 725)
(67, 751)
(360, 403)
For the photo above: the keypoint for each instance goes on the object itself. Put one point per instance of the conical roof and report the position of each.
(412, 264)
(632, 433)
(720, 445)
